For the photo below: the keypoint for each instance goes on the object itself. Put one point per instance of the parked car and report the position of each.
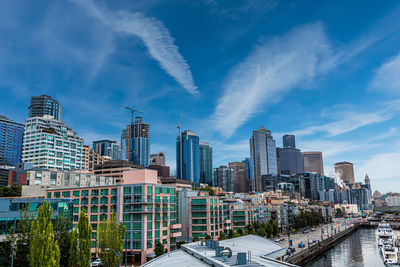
(282, 239)
(312, 229)
(97, 263)
(311, 241)
(301, 245)
(305, 232)
(277, 240)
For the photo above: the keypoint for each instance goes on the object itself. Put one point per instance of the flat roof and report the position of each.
(176, 258)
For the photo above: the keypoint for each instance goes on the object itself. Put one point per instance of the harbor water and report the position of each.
(358, 249)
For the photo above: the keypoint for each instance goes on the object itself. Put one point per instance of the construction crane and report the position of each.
(133, 111)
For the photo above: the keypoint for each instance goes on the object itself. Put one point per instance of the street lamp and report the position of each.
(116, 254)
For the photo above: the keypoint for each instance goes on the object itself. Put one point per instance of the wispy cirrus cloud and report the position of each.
(270, 71)
(153, 33)
(387, 76)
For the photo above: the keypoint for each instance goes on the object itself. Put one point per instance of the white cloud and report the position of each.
(269, 72)
(387, 76)
(381, 166)
(155, 36)
(329, 148)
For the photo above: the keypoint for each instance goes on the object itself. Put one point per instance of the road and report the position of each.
(336, 225)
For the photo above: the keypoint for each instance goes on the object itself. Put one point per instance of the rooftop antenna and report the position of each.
(133, 111)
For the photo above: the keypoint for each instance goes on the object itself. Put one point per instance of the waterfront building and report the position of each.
(91, 158)
(290, 161)
(239, 177)
(135, 143)
(157, 159)
(12, 209)
(206, 164)
(313, 162)
(44, 105)
(11, 136)
(107, 148)
(50, 143)
(263, 157)
(346, 171)
(224, 178)
(289, 141)
(188, 156)
(393, 199)
(147, 209)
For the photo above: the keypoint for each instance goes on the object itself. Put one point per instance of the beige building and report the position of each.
(115, 168)
(91, 158)
(313, 162)
(346, 171)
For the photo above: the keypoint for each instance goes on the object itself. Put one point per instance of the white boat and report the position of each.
(384, 234)
(389, 255)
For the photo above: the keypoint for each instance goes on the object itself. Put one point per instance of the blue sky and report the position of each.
(328, 72)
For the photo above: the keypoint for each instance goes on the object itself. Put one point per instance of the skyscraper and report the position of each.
(346, 171)
(290, 159)
(289, 141)
(223, 177)
(188, 156)
(44, 105)
(313, 162)
(135, 143)
(263, 157)
(49, 143)
(247, 162)
(239, 177)
(107, 148)
(206, 164)
(11, 135)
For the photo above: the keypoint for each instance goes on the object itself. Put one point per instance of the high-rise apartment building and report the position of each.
(44, 105)
(289, 141)
(223, 177)
(346, 171)
(263, 157)
(135, 143)
(188, 156)
(50, 143)
(11, 136)
(239, 177)
(313, 162)
(107, 148)
(157, 159)
(91, 158)
(206, 164)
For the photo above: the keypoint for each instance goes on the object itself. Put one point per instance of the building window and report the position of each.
(48, 194)
(94, 201)
(137, 190)
(94, 209)
(127, 190)
(57, 194)
(104, 192)
(93, 218)
(76, 193)
(94, 226)
(95, 192)
(85, 193)
(113, 191)
(66, 194)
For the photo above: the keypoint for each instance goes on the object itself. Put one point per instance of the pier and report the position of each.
(321, 246)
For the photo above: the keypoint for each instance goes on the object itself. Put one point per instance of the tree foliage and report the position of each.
(195, 239)
(222, 236)
(110, 236)
(263, 229)
(307, 219)
(43, 248)
(10, 191)
(62, 233)
(210, 190)
(81, 242)
(339, 213)
(159, 249)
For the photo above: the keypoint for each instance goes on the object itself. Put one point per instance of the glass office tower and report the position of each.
(11, 136)
(188, 156)
(44, 105)
(206, 164)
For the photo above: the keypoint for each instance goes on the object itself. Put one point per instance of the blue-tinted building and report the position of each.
(291, 161)
(44, 105)
(263, 157)
(206, 164)
(11, 137)
(247, 163)
(188, 156)
(135, 143)
(11, 208)
(289, 141)
(107, 148)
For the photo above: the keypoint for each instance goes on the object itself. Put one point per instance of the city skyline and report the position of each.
(93, 81)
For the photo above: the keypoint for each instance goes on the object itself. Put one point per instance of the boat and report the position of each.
(384, 234)
(389, 255)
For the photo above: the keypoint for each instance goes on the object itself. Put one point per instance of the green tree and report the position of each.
(62, 233)
(222, 236)
(159, 249)
(210, 190)
(81, 242)
(180, 243)
(207, 237)
(43, 248)
(240, 232)
(10, 191)
(195, 239)
(110, 236)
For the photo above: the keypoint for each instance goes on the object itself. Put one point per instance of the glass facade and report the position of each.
(11, 136)
(263, 157)
(135, 143)
(44, 105)
(188, 157)
(206, 164)
(107, 148)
